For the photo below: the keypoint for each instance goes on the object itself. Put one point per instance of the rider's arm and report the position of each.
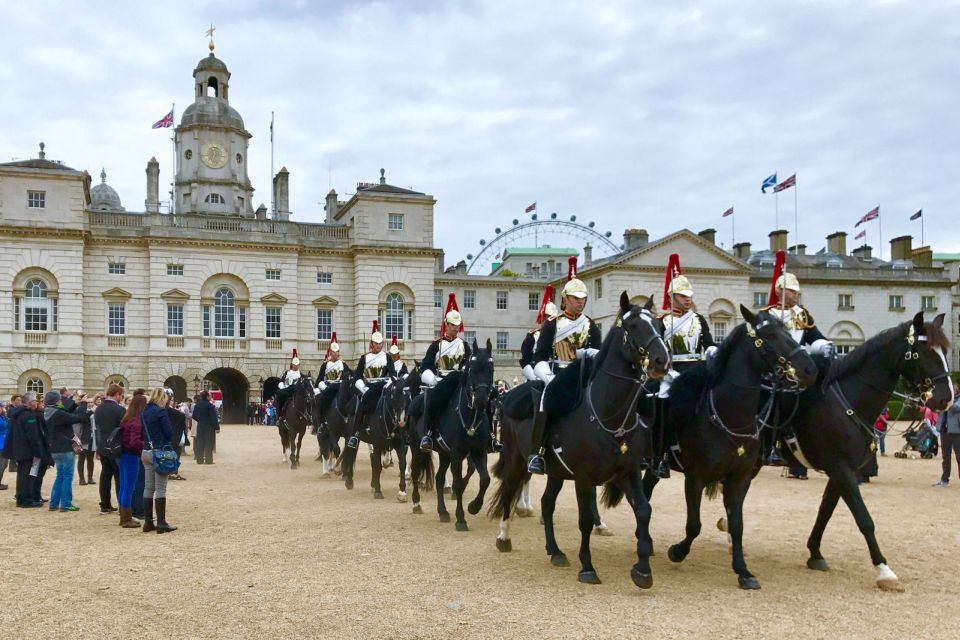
(544, 352)
(428, 367)
(526, 357)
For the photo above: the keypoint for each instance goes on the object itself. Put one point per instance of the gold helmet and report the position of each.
(574, 286)
(375, 336)
(681, 285)
(394, 347)
(334, 346)
(295, 360)
(452, 314)
(789, 281)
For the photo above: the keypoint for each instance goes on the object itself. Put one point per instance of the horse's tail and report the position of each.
(612, 495)
(712, 490)
(425, 471)
(511, 470)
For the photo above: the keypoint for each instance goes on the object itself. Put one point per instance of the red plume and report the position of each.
(571, 268)
(547, 297)
(333, 338)
(376, 327)
(451, 306)
(393, 342)
(292, 357)
(779, 268)
(673, 270)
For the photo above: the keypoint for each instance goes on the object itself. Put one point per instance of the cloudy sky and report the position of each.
(631, 114)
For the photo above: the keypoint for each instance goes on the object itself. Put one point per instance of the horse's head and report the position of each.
(925, 363)
(642, 343)
(397, 397)
(479, 374)
(780, 353)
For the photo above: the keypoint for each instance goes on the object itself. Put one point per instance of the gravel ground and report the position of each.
(267, 552)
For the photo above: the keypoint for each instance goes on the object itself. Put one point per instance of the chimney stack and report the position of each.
(923, 257)
(837, 243)
(587, 255)
(261, 212)
(281, 191)
(152, 202)
(901, 248)
(778, 240)
(863, 253)
(331, 206)
(742, 250)
(798, 249)
(710, 235)
(635, 238)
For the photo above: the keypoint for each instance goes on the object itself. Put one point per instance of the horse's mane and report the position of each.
(718, 363)
(884, 343)
(606, 343)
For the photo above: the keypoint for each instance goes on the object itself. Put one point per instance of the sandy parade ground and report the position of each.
(267, 552)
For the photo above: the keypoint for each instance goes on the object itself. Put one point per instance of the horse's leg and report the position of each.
(300, 435)
(525, 506)
(477, 503)
(416, 461)
(641, 573)
(401, 450)
(459, 486)
(599, 528)
(548, 503)
(586, 495)
(439, 482)
(831, 496)
(284, 439)
(376, 465)
(850, 492)
(650, 480)
(693, 490)
(734, 493)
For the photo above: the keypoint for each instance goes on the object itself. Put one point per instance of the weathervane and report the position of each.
(210, 35)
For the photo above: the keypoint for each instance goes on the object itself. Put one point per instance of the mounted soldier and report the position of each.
(397, 368)
(285, 388)
(570, 336)
(548, 311)
(329, 379)
(369, 378)
(446, 354)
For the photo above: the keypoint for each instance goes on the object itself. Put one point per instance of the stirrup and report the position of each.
(535, 464)
(426, 444)
(774, 459)
(662, 470)
(495, 446)
(353, 442)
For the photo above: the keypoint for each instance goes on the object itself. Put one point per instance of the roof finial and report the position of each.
(103, 176)
(43, 154)
(210, 35)
(383, 180)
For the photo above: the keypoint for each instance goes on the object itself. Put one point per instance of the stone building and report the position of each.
(218, 294)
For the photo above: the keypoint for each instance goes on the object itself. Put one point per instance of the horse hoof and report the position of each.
(748, 582)
(887, 579)
(602, 530)
(462, 526)
(559, 560)
(722, 524)
(474, 508)
(504, 546)
(588, 577)
(818, 564)
(325, 475)
(417, 509)
(642, 580)
(348, 483)
(401, 496)
(675, 554)
(444, 517)
(448, 490)
(378, 495)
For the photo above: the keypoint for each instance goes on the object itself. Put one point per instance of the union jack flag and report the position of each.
(862, 234)
(728, 212)
(917, 215)
(873, 214)
(786, 184)
(532, 207)
(164, 122)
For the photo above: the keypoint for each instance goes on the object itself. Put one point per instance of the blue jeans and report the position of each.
(882, 437)
(62, 493)
(129, 468)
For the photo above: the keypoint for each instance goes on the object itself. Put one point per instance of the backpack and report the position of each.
(113, 445)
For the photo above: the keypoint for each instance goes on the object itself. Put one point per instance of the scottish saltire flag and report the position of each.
(873, 214)
(728, 212)
(917, 215)
(862, 234)
(786, 184)
(770, 181)
(532, 207)
(164, 122)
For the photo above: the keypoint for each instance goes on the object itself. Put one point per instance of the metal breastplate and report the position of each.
(566, 350)
(377, 365)
(332, 372)
(794, 320)
(449, 361)
(685, 344)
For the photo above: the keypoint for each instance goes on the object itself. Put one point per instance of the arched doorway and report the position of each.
(270, 387)
(179, 387)
(235, 389)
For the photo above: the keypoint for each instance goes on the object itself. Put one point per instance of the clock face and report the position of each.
(213, 155)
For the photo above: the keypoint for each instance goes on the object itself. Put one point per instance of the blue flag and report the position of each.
(917, 215)
(771, 181)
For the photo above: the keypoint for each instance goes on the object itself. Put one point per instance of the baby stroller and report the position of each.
(919, 441)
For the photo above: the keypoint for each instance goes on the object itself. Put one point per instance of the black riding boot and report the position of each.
(536, 463)
(353, 441)
(148, 524)
(426, 442)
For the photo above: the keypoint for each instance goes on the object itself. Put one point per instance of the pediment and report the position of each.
(273, 298)
(694, 251)
(117, 294)
(325, 301)
(175, 294)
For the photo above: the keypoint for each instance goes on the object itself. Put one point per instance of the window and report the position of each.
(36, 307)
(35, 385)
(16, 314)
(324, 278)
(116, 319)
(224, 314)
(273, 322)
(36, 199)
(174, 319)
(533, 301)
(469, 299)
(241, 322)
(117, 268)
(845, 301)
(928, 303)
(393, 317)
(273, 274)
(438, 298)
(844, 349)
(896, 303)
(206, 321)
(214, 198)
(598, 287)
(324, 324)
(503, 339)
(501, 300)
(760, 298)
(469, 337)
(719, 331)
(174, 269)
(395, 221)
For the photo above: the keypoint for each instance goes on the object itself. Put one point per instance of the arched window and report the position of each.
(36, 386)
(36, 306)
(393, 317)
(214, 198)
(224, 313)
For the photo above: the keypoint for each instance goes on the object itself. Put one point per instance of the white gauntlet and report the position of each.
(542, 371)
(710, 352)
(428, 378)
(586, 353)
(361, 386)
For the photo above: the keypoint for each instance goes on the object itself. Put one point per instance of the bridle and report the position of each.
(478, 412)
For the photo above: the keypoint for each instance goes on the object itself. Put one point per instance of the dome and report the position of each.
(103, 197)
(211, 63)
(211, 111)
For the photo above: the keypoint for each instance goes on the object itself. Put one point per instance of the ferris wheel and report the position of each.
(546, 231)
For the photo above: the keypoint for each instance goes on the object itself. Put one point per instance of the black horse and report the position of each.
(591, 412)
(712, 414)
(834, 421)
(460, 408)
(333, 411)
(297, 414)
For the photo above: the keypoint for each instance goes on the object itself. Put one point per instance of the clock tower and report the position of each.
(211, 146)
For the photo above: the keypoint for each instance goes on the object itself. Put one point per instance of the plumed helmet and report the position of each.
(394, 347)
(295, 360)
(334, 346)
(674, 281)
(781, 279)
(452, 314)
(681, 285)
(789, 281)
(375, 336)
(574, 286)
(547, 306)
(551, 311)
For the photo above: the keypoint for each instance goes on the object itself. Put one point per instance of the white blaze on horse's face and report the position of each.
(946, 369)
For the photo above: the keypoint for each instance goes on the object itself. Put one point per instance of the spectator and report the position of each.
(108, 417)
(4, 425)
(949, 425)
(157, 433)
(881, 426)
(129, 462)
(23, 444)
(178, 424)
(208, 425)
(16, 400)
(63, 431)
(88, 446)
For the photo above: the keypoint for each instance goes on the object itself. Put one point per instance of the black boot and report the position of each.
(495, 445)
(535, 462)
(662, 469)
(426, 443)
(148, 515)
(162, 525)
(353, 442)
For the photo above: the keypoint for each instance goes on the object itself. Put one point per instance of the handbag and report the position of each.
(113, 446)
(165, 460)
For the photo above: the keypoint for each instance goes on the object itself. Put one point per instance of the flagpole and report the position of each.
(273, 191)
(776, 205)
(796, 226)
(733, 228)
(173, 176)
(880, 228)
(922, 242)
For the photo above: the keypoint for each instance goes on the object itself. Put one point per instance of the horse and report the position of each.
(596, 438)
(834, 421)
(297, 414)
(332, 412)
(712, 412)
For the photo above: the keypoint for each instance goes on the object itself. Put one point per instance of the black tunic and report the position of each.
(430, 360)
(544, 351)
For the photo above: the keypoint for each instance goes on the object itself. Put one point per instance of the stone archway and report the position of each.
(235, 389)
(179, 387)
(270, 388)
